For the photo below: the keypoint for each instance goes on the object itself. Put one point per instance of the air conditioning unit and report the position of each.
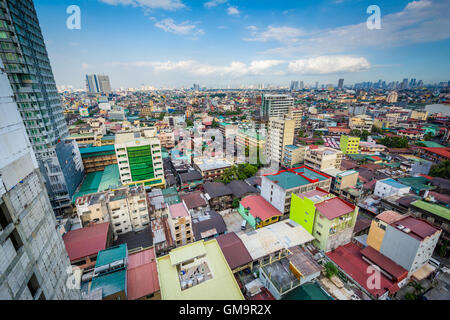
(400, 227)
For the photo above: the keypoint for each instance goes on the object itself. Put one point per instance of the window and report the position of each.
(5, 218)
(16, 240)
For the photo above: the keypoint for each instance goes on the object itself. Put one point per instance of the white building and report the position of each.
(280, 134)
(390, 187)
(276, 105)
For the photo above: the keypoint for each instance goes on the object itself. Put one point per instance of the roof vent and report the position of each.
(407, 230)
(400, 227)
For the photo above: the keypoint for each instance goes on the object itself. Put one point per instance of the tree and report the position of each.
(235, 203)
(330, 270)
(162, 115)
(214, 124)
(394, 142)
(189, 123)
(428, 136)
(441, 170)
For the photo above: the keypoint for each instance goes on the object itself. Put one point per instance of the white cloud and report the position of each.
(236, 69)
(420, 21)
(281, 34)
(150, 4)
(233, 11)
(184, 28)
(214, 3)
(329, 65)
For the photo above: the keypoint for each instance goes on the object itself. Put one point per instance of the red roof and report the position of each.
(87, 241)
(419, 229)
(259, 207)
(349, 259)
(142, 274)
(234, 250)
(334, 208)
(178, 210)
(444, 152)
(397, 272)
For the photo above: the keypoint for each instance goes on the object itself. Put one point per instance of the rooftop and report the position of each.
(417, 228)
(293, 178)
(220, 286)
(87, 241)
(110, 283)
(435, 209)
(234, 250)
(111, 255)
(334, 208)
(178, 210)
(390, 216)
(393, 183)
(259, 207)
(142, 274)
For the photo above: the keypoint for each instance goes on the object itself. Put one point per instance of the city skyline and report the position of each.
(220, 43)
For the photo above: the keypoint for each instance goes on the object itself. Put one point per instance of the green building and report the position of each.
(328, 218)
(349, 145)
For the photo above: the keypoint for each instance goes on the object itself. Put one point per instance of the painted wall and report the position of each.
(399, 247)
(303, 212)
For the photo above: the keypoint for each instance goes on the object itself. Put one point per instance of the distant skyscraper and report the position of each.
(294, 85)
(33, 259)
(341, 84)
(30, 75)
(98, 84)
(404, 84)
(276, 105)
(317, 84)
(302, 85)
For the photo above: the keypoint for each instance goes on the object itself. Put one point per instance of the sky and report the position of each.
(220, 43)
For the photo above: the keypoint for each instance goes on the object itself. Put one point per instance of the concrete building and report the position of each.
(98, 84)
(34, 264)
(328, 218)
(197, 271)
(211, 169)
(389, 187)
(25, 61)
(280, 134)
(277, 188)
(342, 179)
(293, 155)
(276, 105)
(323, 158)
(126, 208)
(297, 115)
(392, 97)
(98, 158)
(139, 158)
(180, 224)
(227, 129)
(349, 145)
(408, 241)
(362, 123)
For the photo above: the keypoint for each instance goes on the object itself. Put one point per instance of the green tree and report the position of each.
(394, 142)
(235, 203)
(428, 136)
(330, 270)
(441, 170)
(189, 123)
(214, 124)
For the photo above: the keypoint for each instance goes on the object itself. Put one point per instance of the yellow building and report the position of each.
(197, 271)
(378, 227)
(349, 145)
(419, 115)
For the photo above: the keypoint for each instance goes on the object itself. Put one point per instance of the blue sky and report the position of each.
(174, 43)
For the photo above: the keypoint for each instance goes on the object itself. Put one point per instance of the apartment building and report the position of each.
(277, 188)
(211, 169)
(322, 158)
(342, 179)
(125, 208)
(228, 130)
(139, 158)
(293, 155)
(419, 115)
(180, 224)
(328, 218)
(361, 122)
(297, 115)
(251, 138)
(371, 147)
(276, 105)
(33, 260)
(408, 241)
(167, 139)
(389, 187)
(349, 145)
(280, 134)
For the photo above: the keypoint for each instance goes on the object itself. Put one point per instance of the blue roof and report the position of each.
(110, 283)
(111, 255)
(394, 183)
(88, 150)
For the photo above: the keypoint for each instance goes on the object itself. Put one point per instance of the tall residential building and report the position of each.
(98, 83)
(280, 134)
(294, 85)
(323, 158)
(139, 158)
(341, 84)
(26, 63)
(392, 97)
(276, 105)
(297, 115)
(33, 260)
